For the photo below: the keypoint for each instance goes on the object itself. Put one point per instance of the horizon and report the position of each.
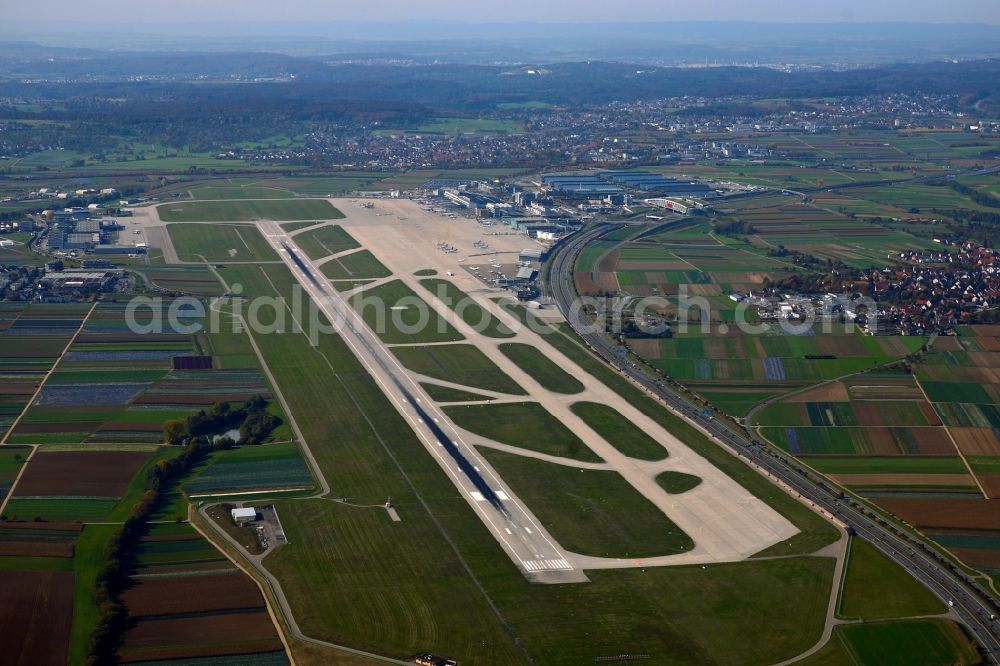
(116, 12)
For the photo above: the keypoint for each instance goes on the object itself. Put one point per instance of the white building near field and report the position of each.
(245, 515)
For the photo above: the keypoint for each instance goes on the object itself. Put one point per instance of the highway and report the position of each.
(529, 545)
(970, 602)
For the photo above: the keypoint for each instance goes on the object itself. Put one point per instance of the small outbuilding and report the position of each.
(244, 515)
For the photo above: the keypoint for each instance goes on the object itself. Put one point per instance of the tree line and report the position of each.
(118, 556)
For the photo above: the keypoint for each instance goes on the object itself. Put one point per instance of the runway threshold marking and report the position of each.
(546, 565)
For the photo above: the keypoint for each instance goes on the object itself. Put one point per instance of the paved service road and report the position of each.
(518, 531)
(969, 600)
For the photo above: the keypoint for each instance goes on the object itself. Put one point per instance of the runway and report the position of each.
(521, 535)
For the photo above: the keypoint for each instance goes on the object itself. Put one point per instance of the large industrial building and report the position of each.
(615, 183)
(76, 229)
(658, 183)
(585, 186)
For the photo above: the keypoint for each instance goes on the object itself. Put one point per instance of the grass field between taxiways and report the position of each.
(397, 315)
(471, 312)
(619, 431)
(219, 242)
(247, 210)
(526, 425)
(541, 368)
(590, 512)
(458, 364)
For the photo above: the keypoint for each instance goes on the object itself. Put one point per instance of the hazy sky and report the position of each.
(107, 11)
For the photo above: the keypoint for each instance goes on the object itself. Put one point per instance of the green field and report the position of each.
(195, 280)
(213, 192)
(860, 645)
(908, 643)
(458, 364)
(295, 226)
(447, 394)
(542, 369)
(324, 241)
(137, 485)
(249, 468)
(886, 465)
(619, 431)
(85, 509)
(88, 557)
(469, 310)
(339, 184)
(397, 315)
(247, 210)
(676, 483)
(875, 587)
(523, 424)
(591, 512)
(967, 392)
(219, 242)
(355, 266)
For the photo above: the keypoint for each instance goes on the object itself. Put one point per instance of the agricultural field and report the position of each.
(64, 509)
(828, 234)
(923, 446)
(192, 280)
(187, 601)
(67, 486)
(693, 271)
(36, 608)
(219, 242)
(116, 386)
(32, 337)
(247, 210)
(83, 495)
(648, 269)
(272, 467)
(11, 460)
(38, 539)
(738, 370)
